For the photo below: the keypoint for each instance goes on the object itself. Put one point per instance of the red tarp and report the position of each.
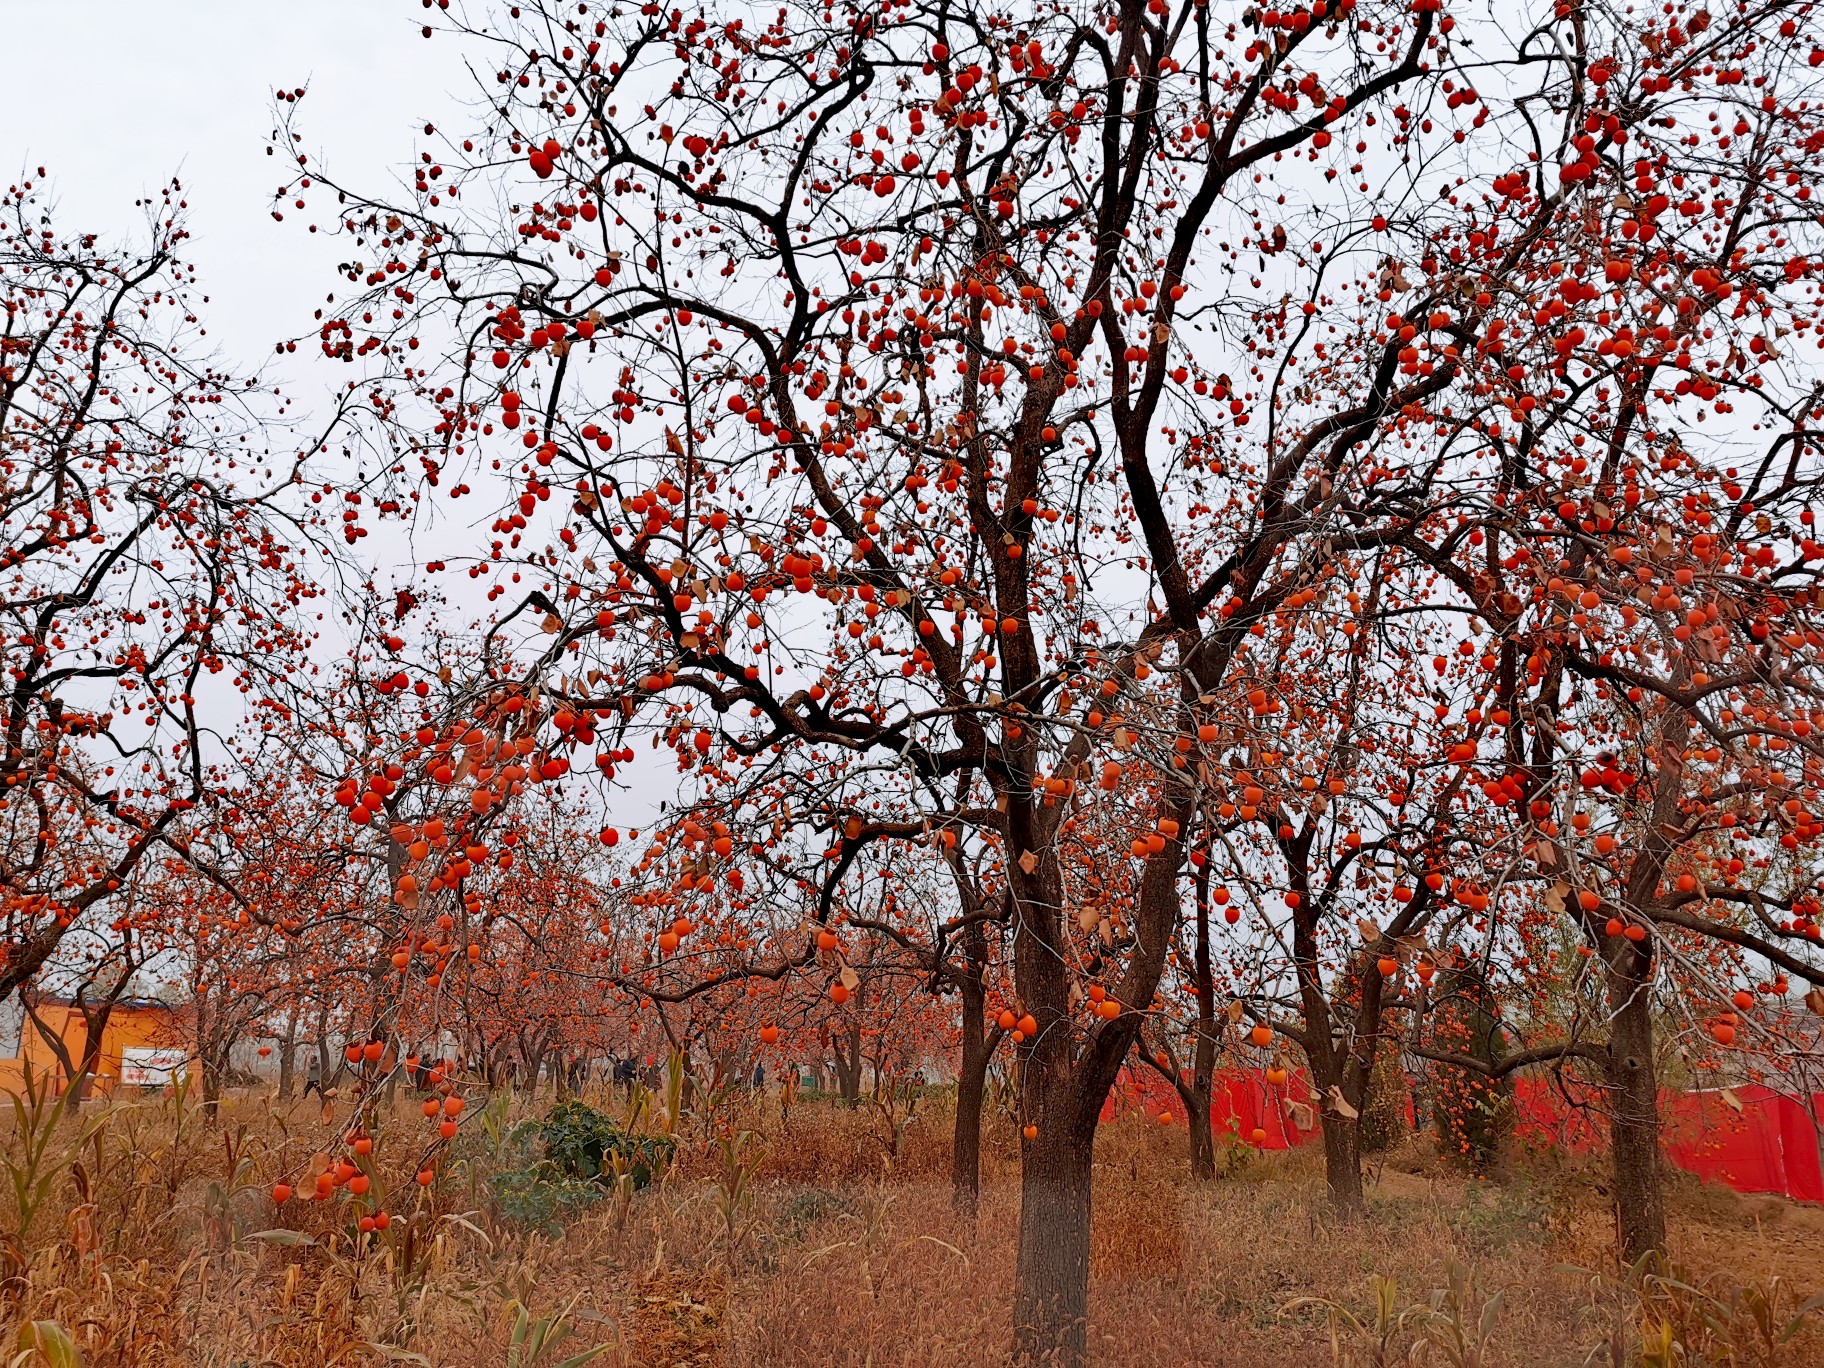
(1767, 1142)
(1771, 1144)
(1242, 1102)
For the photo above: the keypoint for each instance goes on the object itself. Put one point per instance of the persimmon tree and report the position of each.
(1557, 338)
(156, 561)
(1643, 564)
(1335, 846)
(921, 419)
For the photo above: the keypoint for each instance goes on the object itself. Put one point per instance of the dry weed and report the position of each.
(160, 1245)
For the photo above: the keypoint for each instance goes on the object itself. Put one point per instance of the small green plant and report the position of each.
(533, 1340)
(37, 1153)
(582, 1156)
(539, 1199)
(1659, 1317)
(44, 1344)
(1454, 1325)
(740, 1155)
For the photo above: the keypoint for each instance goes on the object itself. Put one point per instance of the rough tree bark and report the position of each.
(1640, 1212)
(971, 1084)
(1203, 1057)
(1051, 1297)
(848, 1059)
(288, 1053)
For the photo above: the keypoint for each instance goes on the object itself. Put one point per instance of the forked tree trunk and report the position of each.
(1329, 1066)
(1198, 1100)
(1640, 1212)
(94, 1028)
(1062, 1089)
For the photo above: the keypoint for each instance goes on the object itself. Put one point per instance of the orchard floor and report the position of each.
(828, 1257)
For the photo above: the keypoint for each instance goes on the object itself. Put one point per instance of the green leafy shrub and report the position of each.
(583, 1156)
(581, 1142)
(539, 1200)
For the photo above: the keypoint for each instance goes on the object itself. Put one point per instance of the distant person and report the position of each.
(313, 1073)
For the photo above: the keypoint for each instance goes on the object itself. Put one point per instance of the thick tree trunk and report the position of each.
(972, 1078)
(1640, 1211)
(1063, 1083)
(95, 1027)
(1343, 1163)
(1051, 1297)
(971, 1083)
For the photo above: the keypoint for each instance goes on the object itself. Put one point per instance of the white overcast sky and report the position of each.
(112, 97)
(120, 95)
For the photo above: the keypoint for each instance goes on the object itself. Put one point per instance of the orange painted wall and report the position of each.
(128, 1028)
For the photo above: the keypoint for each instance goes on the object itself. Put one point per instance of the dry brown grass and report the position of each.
(840, 1259)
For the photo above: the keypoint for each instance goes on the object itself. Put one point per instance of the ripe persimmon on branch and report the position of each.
(1043, 430)
(154, 564)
